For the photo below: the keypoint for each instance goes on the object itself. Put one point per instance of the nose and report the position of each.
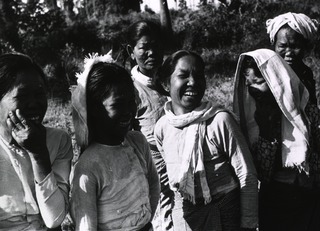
(289, 51)
(191, 80)
(150, 51)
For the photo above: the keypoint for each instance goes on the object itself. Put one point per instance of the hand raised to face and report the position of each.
(30, 135)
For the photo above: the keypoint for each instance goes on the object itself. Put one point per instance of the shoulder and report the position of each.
(137, 140)
(89, 160)
(161, 124)
(56, 134)
(135, 136)
(221, 117)
(59, 143)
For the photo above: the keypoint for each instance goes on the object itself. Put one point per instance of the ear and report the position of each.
(130, 51)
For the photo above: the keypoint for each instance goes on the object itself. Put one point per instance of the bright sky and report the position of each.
(155, 4)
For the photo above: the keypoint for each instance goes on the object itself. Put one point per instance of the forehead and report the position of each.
(188, 62)
(120, 91)
(29, 78)
(287, 33)
(144, 39)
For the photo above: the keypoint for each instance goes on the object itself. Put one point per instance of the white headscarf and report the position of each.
(300, 23)
(79, 99)
(291, 97)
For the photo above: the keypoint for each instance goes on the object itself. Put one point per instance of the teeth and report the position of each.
(191, 93)
(124, 124)
(35, 118)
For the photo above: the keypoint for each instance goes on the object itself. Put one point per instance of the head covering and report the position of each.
(79, 99)
(193, 125)
(291, 97)
(300, 23)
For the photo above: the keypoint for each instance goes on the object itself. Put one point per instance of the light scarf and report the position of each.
(79, 99)
(291, 97)
(190, 148)
(300, 23)
(141, 78)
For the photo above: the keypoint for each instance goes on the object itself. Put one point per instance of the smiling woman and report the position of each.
(35, 160)
(209, 165)
(115, 184)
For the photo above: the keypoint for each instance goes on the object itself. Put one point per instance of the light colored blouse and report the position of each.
(115, 187)
(227, 161)
(26, 204)
(149, 104)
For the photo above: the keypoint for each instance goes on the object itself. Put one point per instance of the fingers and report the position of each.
(16, 121)
(21, 118)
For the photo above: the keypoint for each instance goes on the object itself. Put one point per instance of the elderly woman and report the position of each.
(35, 160)
(282, 129)
(291, 34)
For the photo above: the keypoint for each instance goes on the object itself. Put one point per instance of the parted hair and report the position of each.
(143, 27)
(12, 64)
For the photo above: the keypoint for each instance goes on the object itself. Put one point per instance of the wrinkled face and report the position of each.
(290, 45)
(117, 112)
(148, 54)
(187, 85)
(29, 95)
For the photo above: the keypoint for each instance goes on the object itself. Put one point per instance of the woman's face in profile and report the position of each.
(28, 95)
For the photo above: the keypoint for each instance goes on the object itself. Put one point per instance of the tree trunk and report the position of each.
(165, 21)
(9, 27)
(68, 11)
(51, 4)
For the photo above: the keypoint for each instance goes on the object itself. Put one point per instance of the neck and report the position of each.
(148, 73)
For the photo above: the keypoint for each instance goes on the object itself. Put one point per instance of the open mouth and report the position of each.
(125, 124)
(35, 119)
(191, 93)
(289, 60)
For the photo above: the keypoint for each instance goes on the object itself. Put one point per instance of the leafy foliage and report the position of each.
(219, 33)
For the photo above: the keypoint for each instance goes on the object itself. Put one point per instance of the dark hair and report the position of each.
(167, 68)
(102, 77)
(10, 65)
(141, 28)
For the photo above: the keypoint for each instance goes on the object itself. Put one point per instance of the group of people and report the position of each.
(154, 154)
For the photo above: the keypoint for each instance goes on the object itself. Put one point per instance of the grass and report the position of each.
(59, 116)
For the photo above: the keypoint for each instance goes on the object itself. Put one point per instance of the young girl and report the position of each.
(35, 160)
(146, 50)
(209, 165)
(282, 128)
(115, 184)
(291, 35)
